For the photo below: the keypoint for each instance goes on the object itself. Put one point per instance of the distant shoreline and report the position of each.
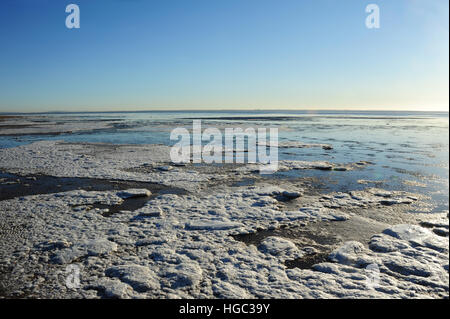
(6, 117)
(239, 111)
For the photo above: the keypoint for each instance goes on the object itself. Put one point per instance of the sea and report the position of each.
(407, 151)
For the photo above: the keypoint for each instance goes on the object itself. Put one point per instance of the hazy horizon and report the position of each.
(218, 110)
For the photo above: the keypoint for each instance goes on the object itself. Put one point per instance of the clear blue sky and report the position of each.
(195, 54)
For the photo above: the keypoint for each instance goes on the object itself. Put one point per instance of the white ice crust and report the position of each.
(180, 246)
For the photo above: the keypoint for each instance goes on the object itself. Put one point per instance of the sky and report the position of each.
(223, 54)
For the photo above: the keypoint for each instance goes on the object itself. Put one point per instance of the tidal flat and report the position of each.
(138, 226)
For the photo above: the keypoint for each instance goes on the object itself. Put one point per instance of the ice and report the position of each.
(291, 194)
(87, 248)
(351, 253)
(417, 236)
(324, 214)
(131, 193)
(60, 159)
(181, 245)
(279, 247)
(226, 290)
(113, 288)
(141, 278)
(183, 275)
(408, 232)
(212, 225)
(384, 243)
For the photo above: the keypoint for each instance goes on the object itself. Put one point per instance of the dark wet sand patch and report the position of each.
(321, 243)
(7, 117)
(134, 203)
(89, 131)
(322, 237)
(36, 134)
(244, 182)
(14, 126)
(130, 204)
(14, 186)
(308, 261)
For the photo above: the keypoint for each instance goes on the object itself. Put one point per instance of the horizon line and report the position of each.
(223, 110)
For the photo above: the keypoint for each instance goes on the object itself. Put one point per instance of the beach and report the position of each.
(358, 208)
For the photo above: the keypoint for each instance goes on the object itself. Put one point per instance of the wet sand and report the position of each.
(13, 186)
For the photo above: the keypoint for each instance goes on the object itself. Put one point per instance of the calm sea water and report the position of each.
(409, 150)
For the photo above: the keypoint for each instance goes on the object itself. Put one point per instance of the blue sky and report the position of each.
(233, 54)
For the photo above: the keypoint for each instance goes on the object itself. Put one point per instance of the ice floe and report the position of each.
(141, 278)
(131, 193)
(280, 247)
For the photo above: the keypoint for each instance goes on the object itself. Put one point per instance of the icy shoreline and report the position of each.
(184, 245)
